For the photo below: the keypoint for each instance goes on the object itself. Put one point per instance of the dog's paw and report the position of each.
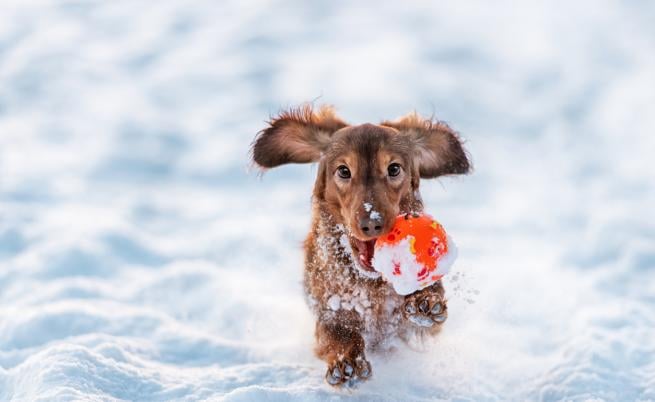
(426, 308)
(348, 372)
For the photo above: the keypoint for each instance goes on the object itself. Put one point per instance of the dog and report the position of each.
(367, 176)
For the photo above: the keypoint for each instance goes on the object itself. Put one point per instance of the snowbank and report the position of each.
(141, 260)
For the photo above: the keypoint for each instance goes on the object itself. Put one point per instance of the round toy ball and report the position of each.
(416, 253)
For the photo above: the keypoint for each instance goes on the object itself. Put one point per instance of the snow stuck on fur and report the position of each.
(356, 300)
(333, 240)
(334, 302)
(372, 214)
(338, 243)
(344, 241)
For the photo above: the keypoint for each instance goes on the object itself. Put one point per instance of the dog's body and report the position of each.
(368, 175)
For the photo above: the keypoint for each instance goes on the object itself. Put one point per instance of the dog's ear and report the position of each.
(437, 147)
(295, 136)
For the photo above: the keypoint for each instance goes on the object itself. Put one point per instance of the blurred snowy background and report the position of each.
(141, 260)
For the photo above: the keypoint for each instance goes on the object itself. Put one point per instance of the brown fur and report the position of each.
(356, 310)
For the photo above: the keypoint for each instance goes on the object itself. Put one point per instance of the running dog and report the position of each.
(361, 168)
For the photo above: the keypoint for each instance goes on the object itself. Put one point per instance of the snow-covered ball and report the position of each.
(416, 253)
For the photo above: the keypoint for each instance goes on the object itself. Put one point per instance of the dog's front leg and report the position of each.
(427, 307)
(340, 344)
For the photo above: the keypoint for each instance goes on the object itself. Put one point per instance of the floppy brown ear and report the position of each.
(437, 147)
(295, 136)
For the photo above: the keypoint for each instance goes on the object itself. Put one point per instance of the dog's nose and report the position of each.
(371, 227)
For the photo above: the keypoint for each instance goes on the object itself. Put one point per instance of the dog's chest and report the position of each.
(336, 286)
(378, 311)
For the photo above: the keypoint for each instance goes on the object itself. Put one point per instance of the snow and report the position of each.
(373, 214)
(141, 258)
(334, 302)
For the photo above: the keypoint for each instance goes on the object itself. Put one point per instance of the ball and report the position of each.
(415, 253)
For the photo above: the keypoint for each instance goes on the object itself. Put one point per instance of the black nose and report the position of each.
(371, 227)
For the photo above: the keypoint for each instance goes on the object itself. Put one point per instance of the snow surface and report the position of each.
(140, 258)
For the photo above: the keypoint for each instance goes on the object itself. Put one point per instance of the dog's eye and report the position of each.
(343, 172)
(394, 169)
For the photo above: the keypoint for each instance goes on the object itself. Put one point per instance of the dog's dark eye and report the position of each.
(394, 169)
(343, 172)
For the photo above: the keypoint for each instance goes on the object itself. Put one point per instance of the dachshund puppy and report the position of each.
(362, 169)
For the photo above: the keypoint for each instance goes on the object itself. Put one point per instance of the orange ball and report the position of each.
(416, 253)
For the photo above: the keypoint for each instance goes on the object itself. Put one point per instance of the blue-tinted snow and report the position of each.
(141, 259)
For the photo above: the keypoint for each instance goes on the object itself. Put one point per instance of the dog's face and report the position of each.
(366, 179)
(368, 174)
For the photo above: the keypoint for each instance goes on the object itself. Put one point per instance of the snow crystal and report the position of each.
(373, 214)
(334, 302)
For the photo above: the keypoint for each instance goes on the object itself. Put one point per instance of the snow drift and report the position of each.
(141, 260)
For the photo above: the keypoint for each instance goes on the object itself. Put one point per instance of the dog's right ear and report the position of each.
(295, 136)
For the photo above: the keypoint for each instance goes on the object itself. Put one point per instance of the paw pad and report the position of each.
(348, 372)
(426, 308)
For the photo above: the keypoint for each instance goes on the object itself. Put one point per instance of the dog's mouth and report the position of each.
(365, 250)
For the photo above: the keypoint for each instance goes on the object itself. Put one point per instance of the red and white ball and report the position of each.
(416, 253)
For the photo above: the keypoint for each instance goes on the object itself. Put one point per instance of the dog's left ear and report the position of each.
(296, 136)
(437, 147)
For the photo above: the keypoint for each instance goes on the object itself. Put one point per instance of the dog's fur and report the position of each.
(356, 310)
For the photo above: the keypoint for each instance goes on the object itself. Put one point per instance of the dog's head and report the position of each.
(368, 174)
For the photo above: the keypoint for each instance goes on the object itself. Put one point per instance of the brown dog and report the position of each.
(367, 175)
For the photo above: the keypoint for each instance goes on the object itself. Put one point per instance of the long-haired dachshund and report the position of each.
(363, 168)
